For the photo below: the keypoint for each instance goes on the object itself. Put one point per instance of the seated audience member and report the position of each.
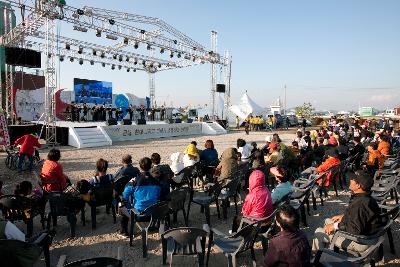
(52, 175)
(191, 156)
(143, 190)
(358, 150)
(254, 147)
(299, 139)
(295, 148)
(331, 161)
(176, 162)
(101, 178)
(319, 151)
(227, 165)
(258, 202)
(283, 188)
(268, 140)
(384, 145)
(1, 189)
(361, 217)
(290, 247)
(127, 169)
(343, 149)
(274, 155)
(258, 160)
(210, 154)
(244, 149)
(375, 159)
(161, 172)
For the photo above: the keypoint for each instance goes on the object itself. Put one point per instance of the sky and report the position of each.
(338, 55)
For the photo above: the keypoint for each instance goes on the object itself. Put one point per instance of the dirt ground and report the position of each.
(104, 241)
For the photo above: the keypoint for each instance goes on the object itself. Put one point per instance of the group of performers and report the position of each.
(84, 112)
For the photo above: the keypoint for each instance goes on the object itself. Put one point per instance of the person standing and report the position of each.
(28, 143)
(237, 122)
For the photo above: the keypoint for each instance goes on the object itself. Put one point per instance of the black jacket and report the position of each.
(361, 216)
(128, 170)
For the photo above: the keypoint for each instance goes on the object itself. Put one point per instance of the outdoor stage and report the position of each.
(95, 134)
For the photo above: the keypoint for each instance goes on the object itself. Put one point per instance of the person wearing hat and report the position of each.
(274, 155)
(191, 156)
(362, 217)
(268, 140)
(284, 187)
(332, 160)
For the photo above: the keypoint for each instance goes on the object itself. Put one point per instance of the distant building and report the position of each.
(397, 111)
(367, 111)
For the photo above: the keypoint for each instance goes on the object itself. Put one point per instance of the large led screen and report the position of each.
(92, 92)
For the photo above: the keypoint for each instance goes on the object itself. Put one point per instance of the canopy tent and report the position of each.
(246, 107)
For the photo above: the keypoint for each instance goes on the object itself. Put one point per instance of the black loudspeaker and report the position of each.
(178, 120)
(220, 88)
(141, 122)
(127, 122)
(23, 57)
(171, 121)
(112, 122)
(189, 120)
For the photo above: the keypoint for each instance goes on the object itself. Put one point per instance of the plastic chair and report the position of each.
(119, 186)
(153, 218)
(177, 199)
(231, 245)
(19, 208)
(17, 253)
(184, 241)
(102, 196)
(230, 190)
(63, 204)
(300, 197)
(205, 199)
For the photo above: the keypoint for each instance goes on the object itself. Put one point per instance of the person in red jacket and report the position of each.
(332, 160)
(52, 176)
(28, 143)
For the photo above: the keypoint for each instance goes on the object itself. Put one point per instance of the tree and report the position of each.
(306, 110)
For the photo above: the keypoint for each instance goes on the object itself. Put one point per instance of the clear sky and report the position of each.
(335, 54)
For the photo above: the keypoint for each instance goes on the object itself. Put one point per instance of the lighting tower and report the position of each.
(213, 72)
(227, 72)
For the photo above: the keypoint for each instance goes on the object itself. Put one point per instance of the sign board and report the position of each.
(137, 132)
(4, 136)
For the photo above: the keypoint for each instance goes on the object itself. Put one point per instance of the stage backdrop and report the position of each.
(94, 92)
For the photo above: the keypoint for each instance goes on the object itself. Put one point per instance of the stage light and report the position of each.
(80, 29)
(134, 70)
(103, 64)
(98, 33)
(144, 62)
(136, 46)
(80, 12)
(80, 61)
(159, 65)
(135, 62)
(111, 37)
(94, 53)
(91, 62)
(49, 55)
(171, 55)
(111, 21)
(162, 50)
(71, 59)
(194, 48)
(126, 40)
(115, 56)
(80, 50)
(102, 55)
(67, 46)
(113, 67)
(61, 58)
(142, 31)
(194, 58)
(148, 46)
(179, 55)
(128, 70)
(120, 58)
(151, 65)
(119, 67)
(175, 41)
(127, 59)
(186, 57)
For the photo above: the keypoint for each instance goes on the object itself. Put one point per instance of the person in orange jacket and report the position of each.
(332, 160)
(384, 145)
(28, 143)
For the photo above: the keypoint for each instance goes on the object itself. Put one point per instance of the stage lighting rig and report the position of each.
(142, 31)
(49, 55)
(135, 62)
(148, 46)
(175, 42)
(80, 12)
(98, 33)
(134, 70)
(179, 55)
(120, 58)
(136, 45)
(171, 55)
(80, 29)
(159, 65)
(162, 50)
(94, 53)
(111, 21)
(80, 50)
(103, 64)
(91, 62)
(115, 56)
(126, 41)
(61, 58)
(71, 59)
(102, 55)
(111, 37)
(67, 46)
(80, 61)
(127, 59)
(144, 62)
(113, 67)
(119, 67)
(128, 70)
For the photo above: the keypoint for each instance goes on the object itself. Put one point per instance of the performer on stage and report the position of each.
(142, 112)
(73, 111)
(162, 113)
(85, 112)
(152, 114)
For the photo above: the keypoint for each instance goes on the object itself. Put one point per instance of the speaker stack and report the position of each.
(220, 88)
(127, 122)
(112, 122)
(141, 122)
(23, 57)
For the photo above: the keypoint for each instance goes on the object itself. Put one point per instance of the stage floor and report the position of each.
(92, 123)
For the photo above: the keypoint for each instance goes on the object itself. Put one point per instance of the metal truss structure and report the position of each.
(127, 38)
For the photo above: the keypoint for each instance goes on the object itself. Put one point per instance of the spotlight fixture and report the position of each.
(80, 50)
(61, 58)
(186, 57)
(71, 59)
(151, 65)
(126, 40)
(135, 62)
(67, 46)
(194, 48)
(94, 53)
(144, 62)
(80, 29)
(91, 62)
(159, 65)
(194, 58)
(175, 41)
(115, 56)
(171, 55)
(111, 37)
(113, 67)
(179, 55)
(136, 45)
(111, 21)
(102, 55)
(103, 64)
(128, 70)
(162, 50)
(142, 31)
(80, 61)
(134, 70)
(119, 67)
(127, 59)
(49, 55)
(80, 12)
(120, 58)
(98, 33)
(148, 46)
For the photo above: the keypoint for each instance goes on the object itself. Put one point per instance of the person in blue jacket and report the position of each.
(140, 193)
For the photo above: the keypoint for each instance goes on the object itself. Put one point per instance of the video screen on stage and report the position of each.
(92, 92)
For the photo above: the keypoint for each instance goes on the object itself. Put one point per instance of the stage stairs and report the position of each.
(81, 137)
(213, 128)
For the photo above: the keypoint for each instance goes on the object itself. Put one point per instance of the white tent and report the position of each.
(246, 107)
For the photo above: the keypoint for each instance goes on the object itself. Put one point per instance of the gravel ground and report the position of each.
(80, 164)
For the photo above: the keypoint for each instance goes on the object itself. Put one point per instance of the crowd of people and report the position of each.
(271, 170)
